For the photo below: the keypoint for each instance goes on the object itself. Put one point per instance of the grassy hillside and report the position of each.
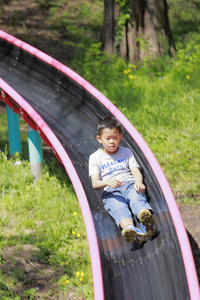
(43, 241)
(44, 248)
(160, 97)
(164, 106)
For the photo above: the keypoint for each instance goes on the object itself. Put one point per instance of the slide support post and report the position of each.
(35, 152)
(13, 132)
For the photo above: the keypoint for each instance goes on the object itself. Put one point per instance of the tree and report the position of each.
(109, 26)
(142, 28)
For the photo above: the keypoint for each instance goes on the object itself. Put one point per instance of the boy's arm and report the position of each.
(100, 184)
(139, 186)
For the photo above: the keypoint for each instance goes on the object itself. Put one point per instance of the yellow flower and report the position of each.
(81, 278)
(74, 213)
(130, 76)
(49, 259)
(128, 71)
(125, 72)
(134, 67)
(187, 77)
(66, 281)
(82, 274)
(77, 274)
(67, 263)
(73, 232)
(78, 234)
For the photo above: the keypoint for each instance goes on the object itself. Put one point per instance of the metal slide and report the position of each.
(65, 109)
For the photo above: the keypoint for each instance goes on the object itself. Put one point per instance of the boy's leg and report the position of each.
(126, 222)
(141, 208)
(137, 201)
(117, 207)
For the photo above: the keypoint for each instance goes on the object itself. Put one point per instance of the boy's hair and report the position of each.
(108, 122)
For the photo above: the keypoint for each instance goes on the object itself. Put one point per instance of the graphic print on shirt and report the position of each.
(114, 166)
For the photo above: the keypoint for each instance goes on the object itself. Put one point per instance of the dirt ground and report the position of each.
(24, 20)
(191, 217)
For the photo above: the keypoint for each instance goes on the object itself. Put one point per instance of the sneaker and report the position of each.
(147, 222)
(132, 234)
(143, 227)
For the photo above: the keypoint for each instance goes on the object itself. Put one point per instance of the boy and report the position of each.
(114, 169)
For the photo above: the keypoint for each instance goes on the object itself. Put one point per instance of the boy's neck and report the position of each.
(112, 153)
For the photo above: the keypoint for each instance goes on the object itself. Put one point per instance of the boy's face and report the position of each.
(110, 139)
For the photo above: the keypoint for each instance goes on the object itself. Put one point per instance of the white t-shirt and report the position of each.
(117, 166)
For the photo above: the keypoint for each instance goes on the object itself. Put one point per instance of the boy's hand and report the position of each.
(114, 183)
(139, 187)
(99, 184)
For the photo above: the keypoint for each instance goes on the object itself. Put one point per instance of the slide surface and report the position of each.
(66, 109)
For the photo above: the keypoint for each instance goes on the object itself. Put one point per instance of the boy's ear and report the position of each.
(98, 139)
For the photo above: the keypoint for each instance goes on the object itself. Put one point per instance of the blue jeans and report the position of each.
(121, 201)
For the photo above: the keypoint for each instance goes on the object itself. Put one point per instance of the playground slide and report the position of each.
(65, 109)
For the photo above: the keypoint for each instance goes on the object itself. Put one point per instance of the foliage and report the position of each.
(124, 15)
(49, 218)
(45, 5)
(161, 98)
(184, 19)
(79, 24)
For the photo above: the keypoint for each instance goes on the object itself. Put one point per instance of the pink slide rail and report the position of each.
(171, 202)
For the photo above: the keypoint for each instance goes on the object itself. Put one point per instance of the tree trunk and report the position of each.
(108, 27)
(147, 30)
(132, 33)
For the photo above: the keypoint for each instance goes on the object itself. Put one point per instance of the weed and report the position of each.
(50, 218)
(29, 294)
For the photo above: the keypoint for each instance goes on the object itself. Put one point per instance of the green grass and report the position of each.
(45, 215)
(160, 97)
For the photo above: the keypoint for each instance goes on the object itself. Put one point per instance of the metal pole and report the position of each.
(13, 132)
(35, 152)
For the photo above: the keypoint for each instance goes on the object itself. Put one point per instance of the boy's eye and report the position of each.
(112, 138)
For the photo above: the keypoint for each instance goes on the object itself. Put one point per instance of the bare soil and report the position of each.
(29, 272)
(24, 20)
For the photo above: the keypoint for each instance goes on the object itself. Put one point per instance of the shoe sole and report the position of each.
(131, 236)
(147, 220)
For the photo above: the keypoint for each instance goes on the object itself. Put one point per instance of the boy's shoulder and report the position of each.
(124, 149)
(95, 153)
